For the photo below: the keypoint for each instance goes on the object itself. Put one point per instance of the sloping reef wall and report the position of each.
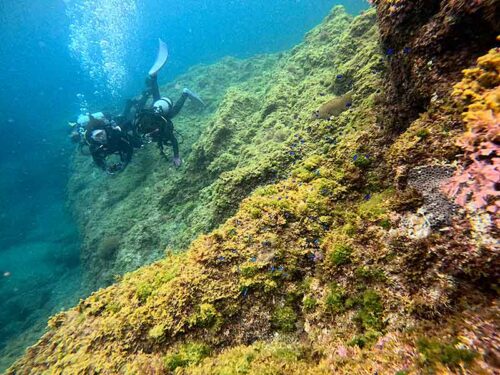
(342, 198)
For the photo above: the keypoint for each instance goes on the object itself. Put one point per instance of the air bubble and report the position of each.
(100, 31)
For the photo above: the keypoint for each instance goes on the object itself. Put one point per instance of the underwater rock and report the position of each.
(427, 44)
(240, 141)
(312, 272)
(476, 183)
(437, 209)
(108, 247)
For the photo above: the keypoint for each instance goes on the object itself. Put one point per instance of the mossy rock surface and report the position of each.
(317, 264)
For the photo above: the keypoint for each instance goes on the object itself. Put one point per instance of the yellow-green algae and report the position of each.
(313, 274)
(257, 108)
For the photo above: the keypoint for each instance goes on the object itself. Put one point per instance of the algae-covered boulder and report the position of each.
(352, 257)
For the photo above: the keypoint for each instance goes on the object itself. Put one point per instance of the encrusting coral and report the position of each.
(318, 271)
(478, 180)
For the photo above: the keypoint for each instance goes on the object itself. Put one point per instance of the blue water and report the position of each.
(58, 57)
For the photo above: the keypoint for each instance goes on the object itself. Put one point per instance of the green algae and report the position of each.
(433, 352)
(284, 319)
(340, 255)
(335, 299)
(187, 355)
(304, 257)
(370, 313)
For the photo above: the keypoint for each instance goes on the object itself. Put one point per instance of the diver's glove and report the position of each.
(193, 96)
(177, 161)
(115, 168)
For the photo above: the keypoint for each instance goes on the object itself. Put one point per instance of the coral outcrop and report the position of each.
(427, 43)
(478, 180)
(348, 258)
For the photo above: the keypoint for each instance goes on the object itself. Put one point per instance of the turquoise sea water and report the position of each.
(61, 57)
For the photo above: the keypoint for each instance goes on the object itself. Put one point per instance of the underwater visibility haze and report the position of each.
(294, 187)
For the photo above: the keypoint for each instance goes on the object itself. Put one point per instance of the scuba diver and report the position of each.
(155, 124)
(106, 135)
(78, 128)
(105, 139)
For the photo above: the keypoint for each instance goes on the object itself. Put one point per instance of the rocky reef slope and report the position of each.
(369, 246)
(242, 140)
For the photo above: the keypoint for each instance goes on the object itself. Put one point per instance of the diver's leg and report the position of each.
(178, 105)
(153, 84)
(128, 106)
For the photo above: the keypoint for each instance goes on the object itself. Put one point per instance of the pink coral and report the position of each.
(478, 179)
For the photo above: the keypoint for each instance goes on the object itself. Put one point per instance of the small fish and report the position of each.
(6, 274)
(355, 157)
(406, 50)
(333, 107)
(368, 197)
(340, 76)
(253, 259)
(390, 52)
(292, 153)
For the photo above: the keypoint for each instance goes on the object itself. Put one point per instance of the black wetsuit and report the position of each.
(117, 143)
(164, 132)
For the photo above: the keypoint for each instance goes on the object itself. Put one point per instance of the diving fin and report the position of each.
(195, 97)
(161, 59)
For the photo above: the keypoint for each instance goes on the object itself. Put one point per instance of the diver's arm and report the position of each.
(169, 136)
(126, 152)
(99, 159)
(175, 146)
(160, 146)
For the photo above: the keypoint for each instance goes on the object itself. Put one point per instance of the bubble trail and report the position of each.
(100, 31)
